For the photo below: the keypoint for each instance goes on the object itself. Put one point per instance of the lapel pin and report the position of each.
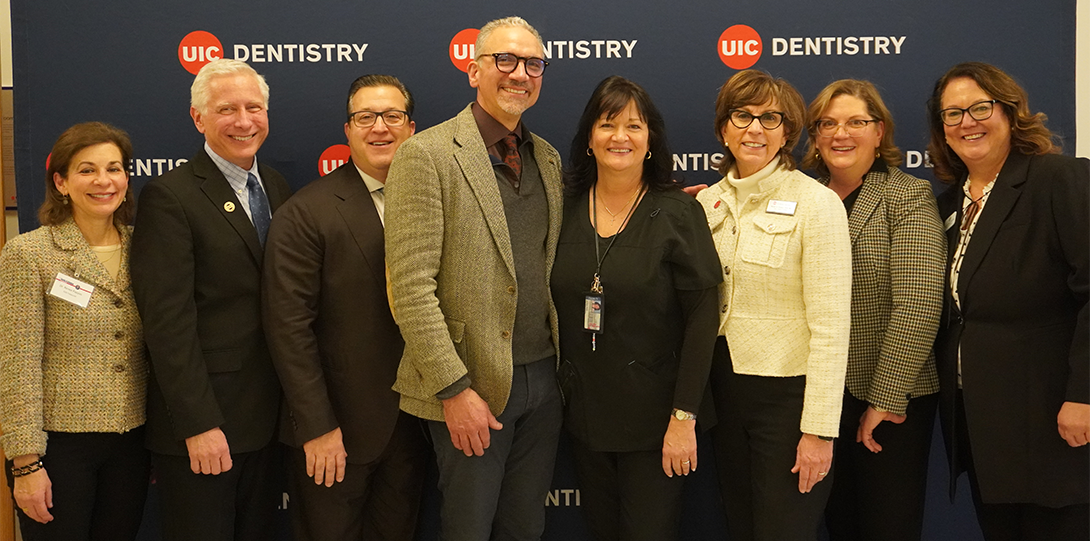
(229, 206)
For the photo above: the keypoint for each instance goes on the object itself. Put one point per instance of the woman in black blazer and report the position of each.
(1013, 359)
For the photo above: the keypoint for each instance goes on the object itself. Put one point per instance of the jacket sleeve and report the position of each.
(827, 290)
(162, 267)
(1069, 210)
(291, 291)
(917, 261)
(22, 318)
(415, 234)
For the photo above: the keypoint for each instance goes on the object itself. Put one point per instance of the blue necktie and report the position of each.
(259, 207)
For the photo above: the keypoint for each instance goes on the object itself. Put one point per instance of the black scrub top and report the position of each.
(659, 324)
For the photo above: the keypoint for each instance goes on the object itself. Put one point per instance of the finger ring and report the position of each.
(823, 473)
(686, 462)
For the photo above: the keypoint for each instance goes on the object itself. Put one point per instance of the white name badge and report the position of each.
(72, 290)
(950, 220)
(786, 208)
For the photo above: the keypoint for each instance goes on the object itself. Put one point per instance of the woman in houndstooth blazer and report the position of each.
(898, 253)
(72, 368)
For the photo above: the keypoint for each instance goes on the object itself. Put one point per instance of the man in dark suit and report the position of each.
(213, 395)
(357, 467)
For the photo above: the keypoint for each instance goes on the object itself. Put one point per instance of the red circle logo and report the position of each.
(739, 47)
(332, 158)
(197, 49)
(461, 48)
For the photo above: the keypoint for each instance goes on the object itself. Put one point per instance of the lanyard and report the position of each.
(596, 285)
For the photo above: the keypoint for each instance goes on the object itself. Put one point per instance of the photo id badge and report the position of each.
(593, 304)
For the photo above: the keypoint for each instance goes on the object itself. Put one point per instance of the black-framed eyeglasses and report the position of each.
(509, 62)
(854, 127)
(770, 120)
(981, 110)
(391, 117)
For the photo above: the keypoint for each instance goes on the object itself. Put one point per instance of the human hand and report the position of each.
(813, 458)
(33, 492)
(694, 189)
(1073, 422)
(869, 421)
(468, 421)
(679, 447)
(209, 452)
(326, 458)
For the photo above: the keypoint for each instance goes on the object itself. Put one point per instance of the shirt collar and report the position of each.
(373, 184)
(491, 129)
(236, 176)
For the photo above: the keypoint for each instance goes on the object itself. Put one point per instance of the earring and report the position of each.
(589, 152)
(877, 154)
(817, 156)
(65, 198)
(648, 155)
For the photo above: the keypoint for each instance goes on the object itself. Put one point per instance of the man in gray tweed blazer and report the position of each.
(473, 217)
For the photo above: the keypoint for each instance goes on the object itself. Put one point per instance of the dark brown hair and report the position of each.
(55, 209)
(609, 98)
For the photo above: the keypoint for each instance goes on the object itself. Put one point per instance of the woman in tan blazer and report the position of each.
(898, 254)
(72, 369)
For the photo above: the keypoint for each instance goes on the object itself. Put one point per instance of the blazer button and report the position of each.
(118, 335)
(119, 368)
(734, 230)
(726, 269)
(724, 308)
(506, 334)
(511, 289)
(119, 303)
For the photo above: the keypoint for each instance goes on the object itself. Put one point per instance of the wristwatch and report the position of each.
(682, 415)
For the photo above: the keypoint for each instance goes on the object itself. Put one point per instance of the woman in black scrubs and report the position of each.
(635, 286)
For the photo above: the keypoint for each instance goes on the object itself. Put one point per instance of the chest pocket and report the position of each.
(768, 240)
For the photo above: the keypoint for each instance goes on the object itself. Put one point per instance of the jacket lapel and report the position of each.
(358, 211)
(550, 178)
(472, 158)
(870, 194)
(1005, 193)
(219, 192)
(85, 264)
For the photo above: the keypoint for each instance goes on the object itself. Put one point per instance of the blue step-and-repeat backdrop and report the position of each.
(131, 63)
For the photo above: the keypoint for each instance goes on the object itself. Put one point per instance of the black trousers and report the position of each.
(627, 496)
(881, 495)
(236, 505)
(756, 442)
(100, 483)
(377, 501)
(1019, 521)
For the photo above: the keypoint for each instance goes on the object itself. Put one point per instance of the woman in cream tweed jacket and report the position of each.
(778, 373)
(72, 369)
